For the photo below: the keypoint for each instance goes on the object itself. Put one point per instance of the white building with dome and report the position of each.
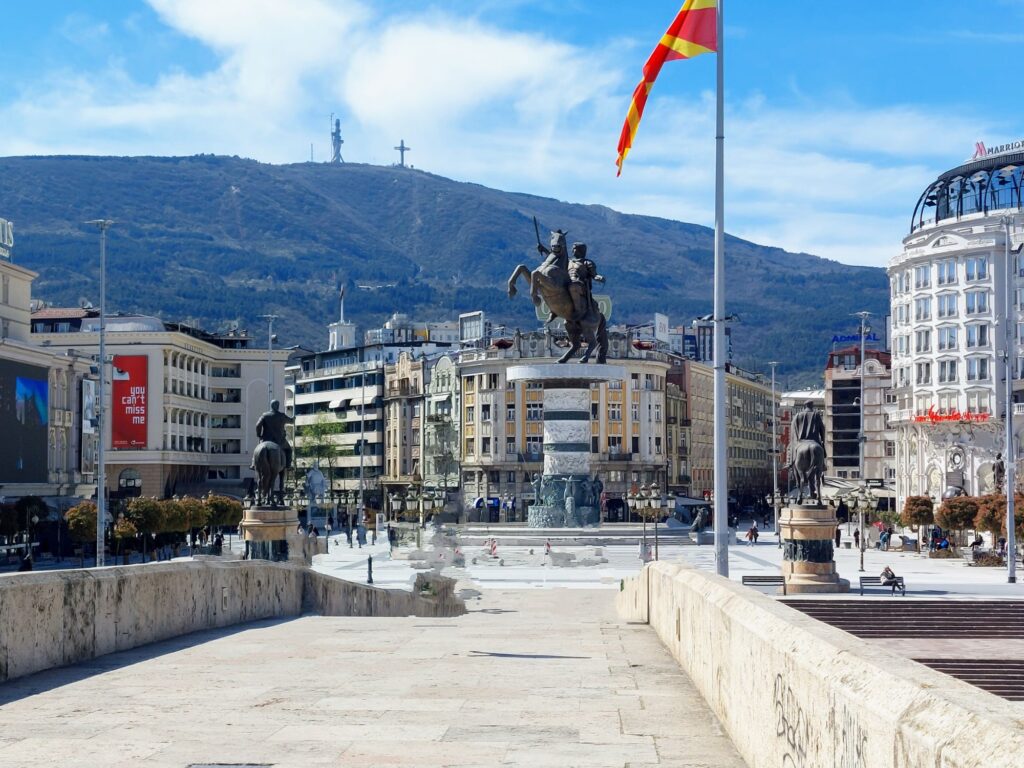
(948, 291)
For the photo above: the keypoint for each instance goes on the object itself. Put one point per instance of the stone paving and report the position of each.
(527, 678)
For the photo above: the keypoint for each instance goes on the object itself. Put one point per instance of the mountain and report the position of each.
(218, 240)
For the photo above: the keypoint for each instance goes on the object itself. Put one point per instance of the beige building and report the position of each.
(748, 430)
(502, 426)
(182, 403)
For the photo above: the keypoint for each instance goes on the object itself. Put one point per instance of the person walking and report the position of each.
(856, 538)
(839, 535)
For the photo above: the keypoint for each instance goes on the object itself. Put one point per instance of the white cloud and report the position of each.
(517, 111)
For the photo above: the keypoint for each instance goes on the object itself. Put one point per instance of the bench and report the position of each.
(766, 581)
(876, 581)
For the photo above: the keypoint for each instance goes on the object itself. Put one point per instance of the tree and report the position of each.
(81, 520)
(918, 512)
(196, 513)
(957, 513)
(175, 518)
(223, 511)
(147, 516)
(317, 442)
(991, 515)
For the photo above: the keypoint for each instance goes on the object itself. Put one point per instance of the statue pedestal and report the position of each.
(565, 500)
(808, 532)
(270, 534)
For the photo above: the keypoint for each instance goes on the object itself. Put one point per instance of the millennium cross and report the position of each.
(402, 149)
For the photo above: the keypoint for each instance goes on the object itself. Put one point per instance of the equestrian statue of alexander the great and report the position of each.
(565, 285)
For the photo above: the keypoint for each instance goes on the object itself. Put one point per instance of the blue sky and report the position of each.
(838, 114)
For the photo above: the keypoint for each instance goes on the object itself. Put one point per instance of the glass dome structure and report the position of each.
(983, 186)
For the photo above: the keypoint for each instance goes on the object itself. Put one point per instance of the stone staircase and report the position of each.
(908, 618)
(936, 620)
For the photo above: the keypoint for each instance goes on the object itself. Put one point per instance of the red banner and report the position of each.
(129, 401)
(935, 417)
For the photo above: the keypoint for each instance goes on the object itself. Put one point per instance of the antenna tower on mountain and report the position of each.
(336, 141)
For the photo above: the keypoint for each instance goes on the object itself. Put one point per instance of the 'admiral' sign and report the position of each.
(868, 338)
(6, 238)
(981, 152)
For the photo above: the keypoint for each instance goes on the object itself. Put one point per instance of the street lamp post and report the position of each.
(101, 473)
(1011, 449)
(775, 457)
(270, 356)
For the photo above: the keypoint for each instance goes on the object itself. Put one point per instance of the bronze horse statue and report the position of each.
(269, 461)
(550, 281)
(809, 466)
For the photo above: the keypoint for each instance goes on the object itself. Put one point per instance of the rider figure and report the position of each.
(807, 425)
(271, 427)
(582, 272)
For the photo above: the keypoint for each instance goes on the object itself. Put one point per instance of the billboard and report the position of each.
(24, 422)
(88, 407)
(661, 327)
(129, 405)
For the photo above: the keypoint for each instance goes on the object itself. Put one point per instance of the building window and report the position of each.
(977, 268)
(485, 446)
(6, 297)
(534, 444)
(947, 272)
(977, 302)
(947, 305)
(614, 444)
(510, 413)
(470, 414)
(922, 277)
(634, 412)
(510, 445)
(978, 402)
(492, 381)
(977, 368)
(923, 309)
(470, 446)
(511, 478)
(947, 371)
(947, 338)
(924, 373)
(657, 413)
(595, 446)
(923, 341)
(534, 411)
(977, 335)
(657, 445)
(614, 411)
(485, 413)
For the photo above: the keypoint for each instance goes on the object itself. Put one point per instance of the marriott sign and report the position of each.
(981, 151)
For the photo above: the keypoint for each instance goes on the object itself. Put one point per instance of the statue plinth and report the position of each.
(808, 532)
(270, 533)
(568, 497)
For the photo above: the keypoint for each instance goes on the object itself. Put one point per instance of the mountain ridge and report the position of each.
(276, 238)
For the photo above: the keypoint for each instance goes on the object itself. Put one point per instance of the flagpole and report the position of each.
(721, 478)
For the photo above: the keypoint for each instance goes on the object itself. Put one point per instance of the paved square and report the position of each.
(527, 678)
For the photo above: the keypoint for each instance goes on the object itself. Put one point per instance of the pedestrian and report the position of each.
(348, 536)
(750, 536)
(856, 539)
(756, 532)
(373, 534)
(839, 535)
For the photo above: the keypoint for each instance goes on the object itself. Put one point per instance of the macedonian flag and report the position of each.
(693, 32)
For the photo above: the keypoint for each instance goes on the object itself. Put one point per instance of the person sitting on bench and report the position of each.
(889, 579)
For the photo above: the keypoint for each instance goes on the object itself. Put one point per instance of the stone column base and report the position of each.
(808, 566)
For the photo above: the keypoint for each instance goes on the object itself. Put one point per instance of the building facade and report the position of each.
(182, 403)
(950, 313)
(502, 426)
(846, 415)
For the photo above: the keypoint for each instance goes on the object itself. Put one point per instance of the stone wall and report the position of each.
(50, 619)
(54, 618)
(795, 693)
(431, 596)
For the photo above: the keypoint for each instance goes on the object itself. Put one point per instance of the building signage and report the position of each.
(6, 238)
(868, 338)
(88, 407)
(981, 151)
(934, 417)
(129, 402)
(661, 327)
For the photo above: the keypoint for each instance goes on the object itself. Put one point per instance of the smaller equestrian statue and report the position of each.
(807, 453)
(272, 456)
(565, 286)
